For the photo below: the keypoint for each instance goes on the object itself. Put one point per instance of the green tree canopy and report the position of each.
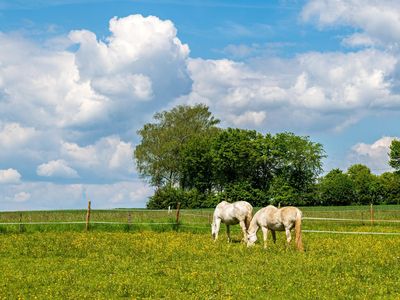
(159, 154)
(365, 184)
(336, 188)
(390, 184)
(299, 161)
(394, 155)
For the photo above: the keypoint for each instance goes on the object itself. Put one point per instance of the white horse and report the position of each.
(231, 214)
(276, 219)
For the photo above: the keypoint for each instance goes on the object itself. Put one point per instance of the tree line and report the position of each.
(189, 159)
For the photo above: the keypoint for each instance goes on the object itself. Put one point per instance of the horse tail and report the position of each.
(299, 242)
(215, 227)
(248, 218)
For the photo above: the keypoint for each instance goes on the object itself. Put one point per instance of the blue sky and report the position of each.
(78, 78)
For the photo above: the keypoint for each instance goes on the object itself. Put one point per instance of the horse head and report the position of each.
(251, 239)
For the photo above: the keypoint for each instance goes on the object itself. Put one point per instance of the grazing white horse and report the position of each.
(231, 214)
(276, 219)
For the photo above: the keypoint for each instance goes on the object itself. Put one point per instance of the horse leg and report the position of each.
(265, 235)
(228, 232)
(244, 229)
(273, 236)
(288, 236)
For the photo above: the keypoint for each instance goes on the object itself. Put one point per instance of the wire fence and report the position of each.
(331, 221)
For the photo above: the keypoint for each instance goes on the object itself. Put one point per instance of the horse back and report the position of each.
(233, 213)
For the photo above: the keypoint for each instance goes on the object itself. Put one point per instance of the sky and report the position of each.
(78, 78)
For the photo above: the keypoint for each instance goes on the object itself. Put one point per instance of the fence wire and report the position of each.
(185, 223)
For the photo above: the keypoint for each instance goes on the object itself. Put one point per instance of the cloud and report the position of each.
(13, 136)
(47, 195)
(22, 197)
(99, 84)
(359, 40)
(56, 168)
(375, 155)
(72, 112)
(9, 176)
(133, 60)
(312, 90)
(378, 20)
(249, 117)
(46, 84)
(109, 157)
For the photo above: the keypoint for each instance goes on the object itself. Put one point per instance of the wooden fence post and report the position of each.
(372, 214)
(178, 207)
(129, 220)
(20, 221)
(88, 216)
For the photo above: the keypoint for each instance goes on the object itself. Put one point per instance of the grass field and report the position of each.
(116, 261)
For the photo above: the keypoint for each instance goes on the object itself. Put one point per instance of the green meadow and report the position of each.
(182, 262)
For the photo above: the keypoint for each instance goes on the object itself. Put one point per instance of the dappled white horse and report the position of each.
(230, 214)
(276, 219)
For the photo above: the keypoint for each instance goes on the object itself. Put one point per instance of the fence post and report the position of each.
(20, 221)
(178, 207)
(88, 216)
(372, 214)
(129, 220)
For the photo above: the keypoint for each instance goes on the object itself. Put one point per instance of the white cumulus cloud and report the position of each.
(22, 197)
(56, 168)
(108, 157)
(10, 176)
(13, 135)
(312, 90)
(379, 20)
(375, 155)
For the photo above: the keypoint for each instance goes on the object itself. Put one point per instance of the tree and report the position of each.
(196, 167)
(159, 154)
(394, 155)
(336, 188)
(298, 160)
(234, 156)
(390, 184)
(366, 185)
(283, 167)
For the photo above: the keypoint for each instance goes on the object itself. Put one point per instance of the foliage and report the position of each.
(196, 167)
(170, 197)
(298, 160)
(394, 155)
(191, 161)
(241, 191)
(159, 154)
(336, 188)
(365, 184)
(390, 187)
(237, 155)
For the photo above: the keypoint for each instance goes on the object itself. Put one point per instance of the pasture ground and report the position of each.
(186, 265)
